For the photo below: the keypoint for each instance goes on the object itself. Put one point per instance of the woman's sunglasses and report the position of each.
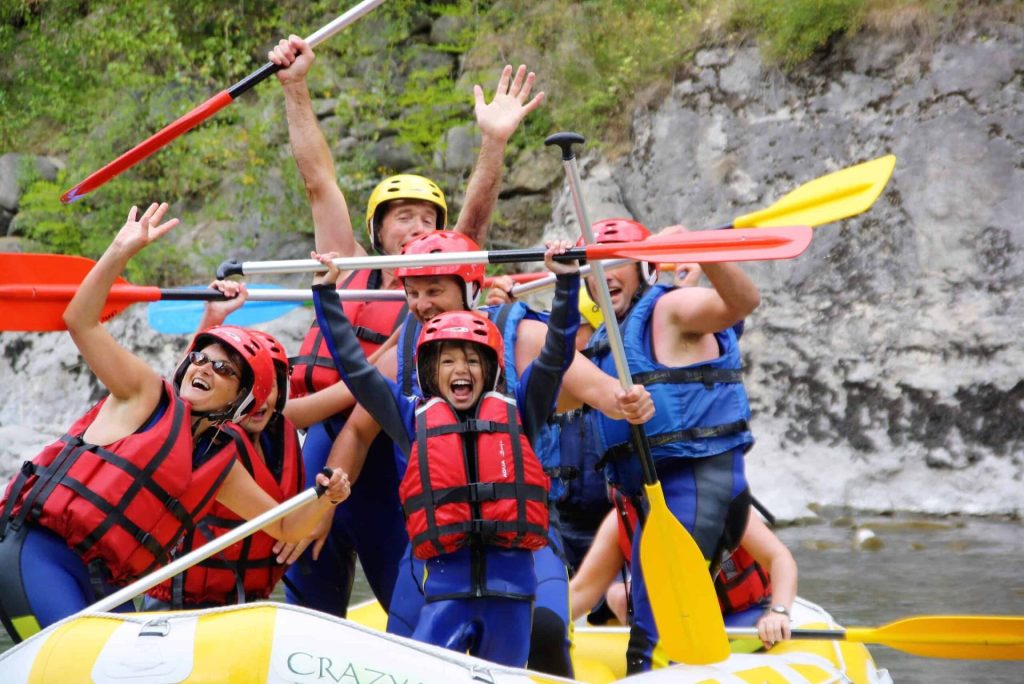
(220, 367)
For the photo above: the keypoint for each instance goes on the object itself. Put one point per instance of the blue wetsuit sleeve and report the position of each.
(379, 395)
(538, 386)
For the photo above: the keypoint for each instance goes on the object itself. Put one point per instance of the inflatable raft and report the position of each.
(276, 643)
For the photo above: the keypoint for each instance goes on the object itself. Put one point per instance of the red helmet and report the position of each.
(257, 372)
(472, 275)
(281, 366)
(624, 230)
(465, 326)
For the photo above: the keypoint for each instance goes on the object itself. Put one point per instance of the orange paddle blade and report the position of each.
(36, 288)
(709, 246)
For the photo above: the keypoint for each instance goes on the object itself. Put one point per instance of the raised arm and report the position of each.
(371, 388)
(127, 377)
(540, 381)
(700, 310)
(331, 223)
(498, 120)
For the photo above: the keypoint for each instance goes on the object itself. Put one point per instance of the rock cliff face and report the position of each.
(884, 365)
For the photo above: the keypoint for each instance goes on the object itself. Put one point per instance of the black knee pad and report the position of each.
(549, 651)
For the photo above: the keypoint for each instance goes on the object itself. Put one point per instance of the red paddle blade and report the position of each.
(148, 146)
(712, 246)
(36, 288)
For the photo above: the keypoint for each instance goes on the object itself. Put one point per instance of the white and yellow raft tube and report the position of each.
(274, 643)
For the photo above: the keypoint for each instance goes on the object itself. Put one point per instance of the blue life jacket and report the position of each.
(701, 409)
(585, 489)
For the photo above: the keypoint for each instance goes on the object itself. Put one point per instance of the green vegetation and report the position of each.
(88, 79)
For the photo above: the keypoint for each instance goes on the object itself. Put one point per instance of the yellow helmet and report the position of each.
(403, 186)
(590, 311)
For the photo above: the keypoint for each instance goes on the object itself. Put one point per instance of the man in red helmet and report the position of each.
(680, 343)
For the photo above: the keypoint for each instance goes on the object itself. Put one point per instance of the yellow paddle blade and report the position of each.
(823, 200)
(970, 637)
(683, 599)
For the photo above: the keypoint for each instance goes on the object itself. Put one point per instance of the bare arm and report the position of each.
(768, 550)
(244, 497)
(590, 385)
(331, 223)
(128, 378)
(498, 120)
(598, 570)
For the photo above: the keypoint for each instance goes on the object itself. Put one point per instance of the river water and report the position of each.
(911, 566)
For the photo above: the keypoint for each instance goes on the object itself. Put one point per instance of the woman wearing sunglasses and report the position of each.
(108, 502)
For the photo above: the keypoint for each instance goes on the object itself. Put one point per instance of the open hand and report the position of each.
(500, 118)
(137, 232)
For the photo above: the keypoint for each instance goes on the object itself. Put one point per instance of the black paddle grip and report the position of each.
(229, 267)
(320, 489)
(565, 140)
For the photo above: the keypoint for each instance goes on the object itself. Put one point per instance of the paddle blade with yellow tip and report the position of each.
(684, 602)
(953, 637)
(838, 195)
(949, 636)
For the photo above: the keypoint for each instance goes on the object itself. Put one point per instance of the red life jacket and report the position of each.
(500, 497)
(313, 369)
(741, 582)
(628, 520)
(126, 504)
(247, 570)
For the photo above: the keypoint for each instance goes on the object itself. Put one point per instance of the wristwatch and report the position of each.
(781, 610)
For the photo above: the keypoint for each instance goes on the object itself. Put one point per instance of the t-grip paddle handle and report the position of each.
(565, 140)
(229, 267)
(320, 489)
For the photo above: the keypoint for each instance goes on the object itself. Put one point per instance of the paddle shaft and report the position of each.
(565, 141)
(207, 109)
(203, 552)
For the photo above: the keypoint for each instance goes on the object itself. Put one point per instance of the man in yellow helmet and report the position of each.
(400, 209)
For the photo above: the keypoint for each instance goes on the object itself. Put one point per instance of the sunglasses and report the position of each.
(220, 367)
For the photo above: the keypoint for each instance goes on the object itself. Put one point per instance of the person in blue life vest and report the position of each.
(248, 570)
(474, 493)
(399, 209)
(680, 342)
(107, 503)
(432, 290)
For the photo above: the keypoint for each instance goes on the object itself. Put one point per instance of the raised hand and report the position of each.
(500, 118)
(137, 232)
(555, 247)
(295, 58)
(333, 272)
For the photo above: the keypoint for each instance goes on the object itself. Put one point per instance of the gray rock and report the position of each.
(460, 146)
(391, 154)
(13, 176)
(537, 169)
